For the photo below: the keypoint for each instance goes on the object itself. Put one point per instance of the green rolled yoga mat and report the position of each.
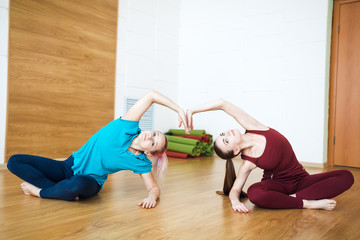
(209, 151)
(182, 140)
(198, 152)
(182, 148)
(192, 132)
(204, 146)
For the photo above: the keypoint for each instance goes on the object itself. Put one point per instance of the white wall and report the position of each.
(4, 36)
(269, 57)
(147, 54)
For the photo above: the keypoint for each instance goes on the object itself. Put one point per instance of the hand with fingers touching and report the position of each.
(183, 121)
(189, 119)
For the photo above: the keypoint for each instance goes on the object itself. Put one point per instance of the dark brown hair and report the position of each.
(230, 175)
(223, 155)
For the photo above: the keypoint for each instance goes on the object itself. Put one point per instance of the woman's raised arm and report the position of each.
(243, 118)
(144, 103)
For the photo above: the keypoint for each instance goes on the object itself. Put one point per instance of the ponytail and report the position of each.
(230, 177)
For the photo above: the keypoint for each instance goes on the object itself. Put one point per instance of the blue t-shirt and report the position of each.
(106, 152)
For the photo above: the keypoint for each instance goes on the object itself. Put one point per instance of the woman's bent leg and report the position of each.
(81, 186)
(39, 171)
(324, 185)
(274, 195)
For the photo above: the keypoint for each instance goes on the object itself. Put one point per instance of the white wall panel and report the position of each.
(147, 54)
(4, 30)
(145, 6)
(141, 23)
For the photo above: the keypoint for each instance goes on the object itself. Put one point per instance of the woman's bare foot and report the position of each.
(326, 204)
(30, 189)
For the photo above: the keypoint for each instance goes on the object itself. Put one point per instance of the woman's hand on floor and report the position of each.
(149, 202)
(240, 207)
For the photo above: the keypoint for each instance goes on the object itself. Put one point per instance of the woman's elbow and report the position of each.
(152, 92)
(223, 103)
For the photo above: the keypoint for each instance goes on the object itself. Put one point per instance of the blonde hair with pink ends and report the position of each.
(161, 162)
(160, 166)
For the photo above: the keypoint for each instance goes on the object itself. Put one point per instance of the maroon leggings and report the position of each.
(275, 194)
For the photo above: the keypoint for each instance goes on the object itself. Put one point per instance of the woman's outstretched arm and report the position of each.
(153, 190)
(243, 118)
(143, 104)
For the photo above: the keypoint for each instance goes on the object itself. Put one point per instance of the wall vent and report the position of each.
(147, 120)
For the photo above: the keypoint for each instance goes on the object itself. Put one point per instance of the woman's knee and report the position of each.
(13, 162)
(82, 184)
(256, 195)
(347, 177)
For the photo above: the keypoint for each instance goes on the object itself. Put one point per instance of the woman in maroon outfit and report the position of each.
(285, 183)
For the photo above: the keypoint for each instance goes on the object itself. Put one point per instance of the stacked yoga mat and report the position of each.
(195, 144)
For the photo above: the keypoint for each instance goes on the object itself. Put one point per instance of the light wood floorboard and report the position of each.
(189, 208)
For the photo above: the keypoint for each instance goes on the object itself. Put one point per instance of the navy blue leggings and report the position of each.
(55, 178)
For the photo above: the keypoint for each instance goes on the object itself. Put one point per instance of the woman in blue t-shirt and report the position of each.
(120, 145)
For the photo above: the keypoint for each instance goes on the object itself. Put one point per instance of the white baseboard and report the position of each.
(3, 166)
(315, 165)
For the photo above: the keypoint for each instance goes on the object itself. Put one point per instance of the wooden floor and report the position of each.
(189, 209)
